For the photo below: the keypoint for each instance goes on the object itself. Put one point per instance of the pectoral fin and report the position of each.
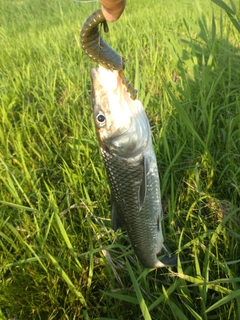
(143, 187)
(116, 218)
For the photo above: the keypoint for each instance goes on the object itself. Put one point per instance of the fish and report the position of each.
(126, 147)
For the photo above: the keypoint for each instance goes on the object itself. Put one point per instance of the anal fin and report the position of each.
(116, 218)
(169, 261)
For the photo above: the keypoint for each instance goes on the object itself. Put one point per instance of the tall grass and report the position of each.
(59, 258)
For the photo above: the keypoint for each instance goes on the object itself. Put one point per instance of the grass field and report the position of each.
(59, 258)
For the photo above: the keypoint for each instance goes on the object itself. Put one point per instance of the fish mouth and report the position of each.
(101, 75)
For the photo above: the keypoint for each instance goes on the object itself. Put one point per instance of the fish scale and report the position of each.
(143, 225)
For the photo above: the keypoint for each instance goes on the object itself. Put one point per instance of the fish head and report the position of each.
(121, 123)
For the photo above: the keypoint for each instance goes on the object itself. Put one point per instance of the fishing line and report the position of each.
(86, 1)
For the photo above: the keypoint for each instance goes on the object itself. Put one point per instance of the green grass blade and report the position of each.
(122, 297)
(141, 301)
(193, 312)
(68, 280)
(177, 312)
(224, 6)
(66, 239)
(233, 295)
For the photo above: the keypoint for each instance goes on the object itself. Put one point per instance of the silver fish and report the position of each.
(126, 146)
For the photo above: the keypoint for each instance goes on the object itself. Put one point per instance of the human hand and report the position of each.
(112, 9)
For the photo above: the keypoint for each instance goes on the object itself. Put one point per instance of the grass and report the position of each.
(59, 258)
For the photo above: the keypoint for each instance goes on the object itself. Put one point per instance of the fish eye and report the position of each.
(100, 119)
